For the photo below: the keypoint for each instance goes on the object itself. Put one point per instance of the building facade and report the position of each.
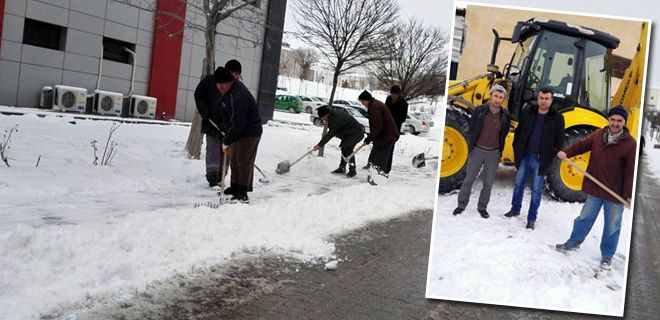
(71, 42)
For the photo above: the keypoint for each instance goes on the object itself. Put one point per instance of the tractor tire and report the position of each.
(454, 150)
(563, 182)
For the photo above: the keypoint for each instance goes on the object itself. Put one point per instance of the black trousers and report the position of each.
(381, 157)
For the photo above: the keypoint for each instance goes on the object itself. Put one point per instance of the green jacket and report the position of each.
(343, 126)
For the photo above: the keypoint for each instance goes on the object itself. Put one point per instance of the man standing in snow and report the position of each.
(398, 107)
(243, 130)
(236, 69)
(343, 126)
(612, 162)
(207, 100)
(537, 139)
(488, 128)
(382, 131)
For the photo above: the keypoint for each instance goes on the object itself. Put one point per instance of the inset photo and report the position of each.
(538, 165)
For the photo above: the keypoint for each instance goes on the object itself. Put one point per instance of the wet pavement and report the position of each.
(381, 275)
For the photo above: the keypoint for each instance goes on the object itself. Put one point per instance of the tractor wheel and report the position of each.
(563, 182)
(454, 150)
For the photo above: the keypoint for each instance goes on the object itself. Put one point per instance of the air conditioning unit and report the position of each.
(67, 98)
(106, 102)
(143, 106)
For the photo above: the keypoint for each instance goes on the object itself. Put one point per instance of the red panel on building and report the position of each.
(166, 55)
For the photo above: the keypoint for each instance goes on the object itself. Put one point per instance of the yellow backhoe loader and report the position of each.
(572, 60)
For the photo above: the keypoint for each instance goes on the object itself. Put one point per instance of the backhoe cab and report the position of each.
(572, 60)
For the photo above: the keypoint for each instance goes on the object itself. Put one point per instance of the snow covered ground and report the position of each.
(74, 236)
(498, 261)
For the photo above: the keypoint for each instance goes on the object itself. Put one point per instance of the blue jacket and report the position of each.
(240, 114)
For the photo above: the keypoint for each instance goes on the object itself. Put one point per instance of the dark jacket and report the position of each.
(207, 100)
(613, 165)
(552, 136)
(343, 126)
(382, 129)
(477, 122)
(240, 114)
(399, 110)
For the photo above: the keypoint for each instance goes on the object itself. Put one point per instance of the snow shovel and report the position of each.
(354, 152)
(600, 184)
(419, 160)
(285, 166)
(265, 179)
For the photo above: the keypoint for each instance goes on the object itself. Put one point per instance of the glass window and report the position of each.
(42, 34)
(594, 86)
(114, 50)
(553, 62)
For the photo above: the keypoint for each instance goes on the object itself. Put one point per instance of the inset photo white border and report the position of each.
(498, 260)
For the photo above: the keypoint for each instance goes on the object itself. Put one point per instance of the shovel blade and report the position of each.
(283, 167)
(419, 161)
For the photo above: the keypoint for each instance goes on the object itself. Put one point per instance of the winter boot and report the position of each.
(351, 168)
(565, 247)
(342, 167)
(240, 194)
(231, 190)
(606, 263)
(511, 214)
(212, 179)
(484, 214)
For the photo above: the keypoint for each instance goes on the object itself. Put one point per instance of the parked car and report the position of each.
(414, 125)
(360, 117)
(289, 103)
(309, 104)
(321, 100)
(426, 117)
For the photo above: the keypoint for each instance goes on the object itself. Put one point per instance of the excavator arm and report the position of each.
(629, 93)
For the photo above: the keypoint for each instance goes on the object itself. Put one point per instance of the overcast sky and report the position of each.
(427, 10)
(440, 13)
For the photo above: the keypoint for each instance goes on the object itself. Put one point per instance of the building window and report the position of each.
(42, 34)
(114, 50)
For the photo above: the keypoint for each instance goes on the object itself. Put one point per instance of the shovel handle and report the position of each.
(354, 152)
(224, 176)
(302, 157)
(600, 184)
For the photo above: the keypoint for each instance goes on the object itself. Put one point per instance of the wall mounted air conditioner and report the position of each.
(67, 98)
(143, 106)
(106, 102)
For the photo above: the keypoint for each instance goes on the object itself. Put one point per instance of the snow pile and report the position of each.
(498, 261)
(73, 234)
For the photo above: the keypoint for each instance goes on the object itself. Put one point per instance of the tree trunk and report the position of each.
(335, 78)
(194, 143)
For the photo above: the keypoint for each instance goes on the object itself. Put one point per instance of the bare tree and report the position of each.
(348, 33)
(306, 58)
(415, 59)
(205, 17)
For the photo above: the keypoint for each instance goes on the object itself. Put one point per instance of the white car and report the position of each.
(414, 125)
(359, 116)
(309, 104)
(426, 117)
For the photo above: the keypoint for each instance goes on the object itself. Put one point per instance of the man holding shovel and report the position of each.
(612, 165)
(343, 126)
(207, 100)
(243, 130)
(382, 131)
